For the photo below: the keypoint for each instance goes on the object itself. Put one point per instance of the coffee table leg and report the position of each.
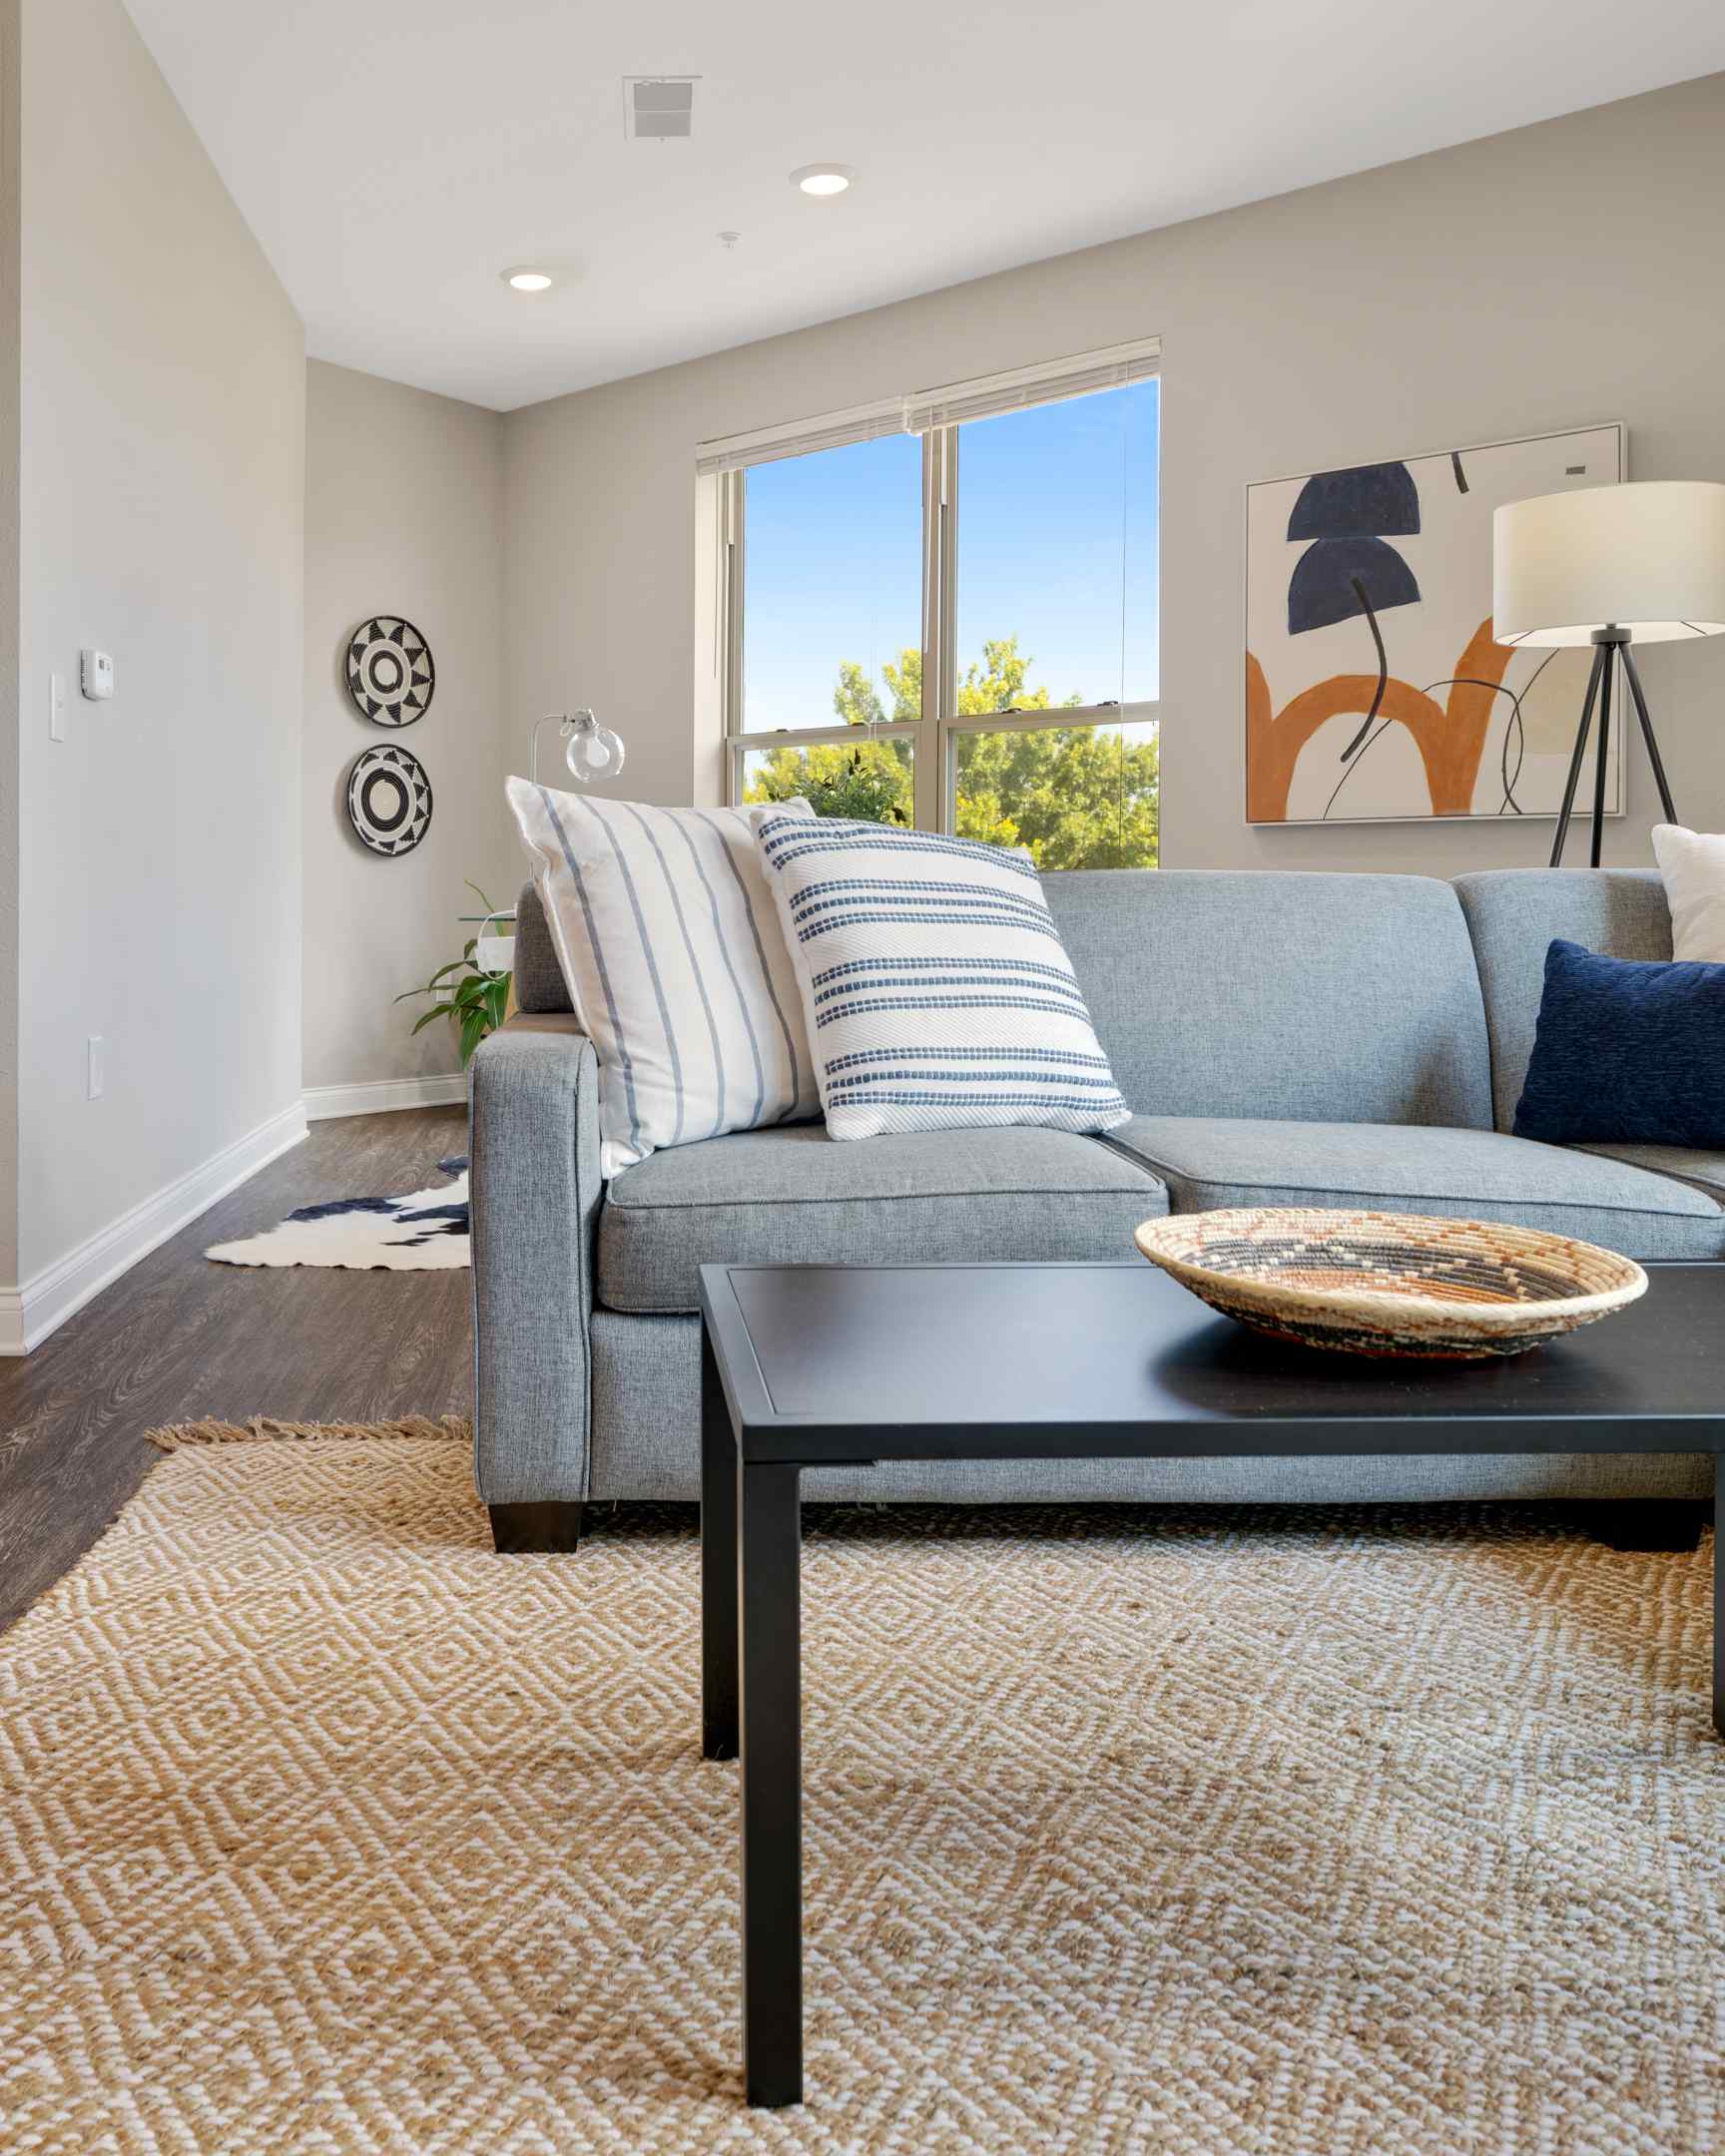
(769, 1552)
(718, 1565)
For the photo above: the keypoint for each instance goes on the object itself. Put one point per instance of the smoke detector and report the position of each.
(658, 108)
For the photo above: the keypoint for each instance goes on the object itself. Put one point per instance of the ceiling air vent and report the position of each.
(658, 108)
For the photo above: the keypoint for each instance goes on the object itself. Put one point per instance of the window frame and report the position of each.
(937, 416)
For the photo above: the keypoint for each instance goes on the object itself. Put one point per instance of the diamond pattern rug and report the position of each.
(1316, 1834)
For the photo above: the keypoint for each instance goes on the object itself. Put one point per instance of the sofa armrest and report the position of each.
(536, 1193)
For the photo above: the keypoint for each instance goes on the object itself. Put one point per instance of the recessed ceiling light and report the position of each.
(823, 180)
(529, 280)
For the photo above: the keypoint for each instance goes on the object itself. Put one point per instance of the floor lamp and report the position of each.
(1612, 567)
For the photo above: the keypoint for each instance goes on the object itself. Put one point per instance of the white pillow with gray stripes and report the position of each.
(935, 988)
(676, 965)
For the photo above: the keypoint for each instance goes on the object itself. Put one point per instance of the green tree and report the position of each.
(871, 782)
(1078, 797)
(857, 700)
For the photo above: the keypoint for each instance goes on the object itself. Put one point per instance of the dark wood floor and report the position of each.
(178, 1339)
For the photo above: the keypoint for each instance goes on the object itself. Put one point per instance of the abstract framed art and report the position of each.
(1374, 690)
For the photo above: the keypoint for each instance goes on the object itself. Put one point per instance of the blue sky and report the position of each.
(1057, 541)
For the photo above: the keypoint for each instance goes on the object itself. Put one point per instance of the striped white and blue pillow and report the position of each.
(936, 990)
(676, 965)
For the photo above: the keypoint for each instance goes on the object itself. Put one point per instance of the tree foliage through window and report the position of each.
(1080, 796)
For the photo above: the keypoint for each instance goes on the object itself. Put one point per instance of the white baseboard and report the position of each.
(376, 1096)
(38, 1305)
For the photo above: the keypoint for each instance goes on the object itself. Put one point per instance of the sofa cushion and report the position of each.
(793, 1196)
(1260, 993)
(1688, 1164)
(1409, 1169)
(1514, 915)
(537, 978)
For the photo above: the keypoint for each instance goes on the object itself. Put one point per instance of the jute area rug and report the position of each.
(1339, 1834)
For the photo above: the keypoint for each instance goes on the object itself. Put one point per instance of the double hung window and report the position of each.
(941, 611)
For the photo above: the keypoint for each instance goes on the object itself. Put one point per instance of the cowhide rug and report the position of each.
(424, 1232)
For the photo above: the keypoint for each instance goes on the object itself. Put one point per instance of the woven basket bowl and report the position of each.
(1390, 1284)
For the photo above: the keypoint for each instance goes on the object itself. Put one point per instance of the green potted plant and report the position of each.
(476, 999)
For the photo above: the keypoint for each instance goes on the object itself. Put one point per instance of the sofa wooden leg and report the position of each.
(1650, 1524)
(550, 1526)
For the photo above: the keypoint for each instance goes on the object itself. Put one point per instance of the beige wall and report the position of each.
(162, 475)
(1557, 276)
(404, 515)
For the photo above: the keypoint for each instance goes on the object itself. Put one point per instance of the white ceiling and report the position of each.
(394, 156)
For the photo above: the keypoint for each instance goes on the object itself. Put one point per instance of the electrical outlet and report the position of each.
(57, 707)
(96, 1056)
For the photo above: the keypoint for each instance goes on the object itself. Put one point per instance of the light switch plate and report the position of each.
(57, 707)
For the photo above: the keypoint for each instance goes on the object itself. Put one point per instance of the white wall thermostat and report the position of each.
(96, 675)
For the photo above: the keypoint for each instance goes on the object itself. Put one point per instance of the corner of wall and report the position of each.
(437, 561)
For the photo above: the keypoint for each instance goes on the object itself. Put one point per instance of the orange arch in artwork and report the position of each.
(1451, 737)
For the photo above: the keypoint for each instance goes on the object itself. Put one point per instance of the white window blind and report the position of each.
(802, 437)
(981, 398)
(1051, 383)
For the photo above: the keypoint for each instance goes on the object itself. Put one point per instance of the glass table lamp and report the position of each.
(590, 749)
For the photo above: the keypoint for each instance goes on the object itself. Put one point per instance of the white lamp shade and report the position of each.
(1647, 558)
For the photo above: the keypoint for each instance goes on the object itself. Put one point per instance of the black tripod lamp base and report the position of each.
(1611, 658)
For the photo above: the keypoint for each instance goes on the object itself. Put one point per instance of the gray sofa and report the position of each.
(1285, 1039)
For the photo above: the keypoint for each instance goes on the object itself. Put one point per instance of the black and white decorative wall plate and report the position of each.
(390, 676)
(390, 800)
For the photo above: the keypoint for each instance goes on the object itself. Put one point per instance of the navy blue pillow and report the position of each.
(1628, 1052)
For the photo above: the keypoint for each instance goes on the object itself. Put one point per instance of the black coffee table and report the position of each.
(830, 1365)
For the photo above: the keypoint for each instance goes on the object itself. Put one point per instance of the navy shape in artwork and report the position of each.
(1337, 579)
(1368, 501)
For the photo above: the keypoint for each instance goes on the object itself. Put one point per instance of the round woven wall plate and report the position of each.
(390, 674)
(1390, 1284)
(390, 800)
